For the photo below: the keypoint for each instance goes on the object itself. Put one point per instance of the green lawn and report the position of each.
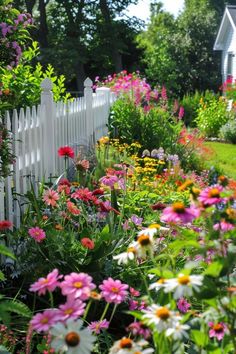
(224, 157)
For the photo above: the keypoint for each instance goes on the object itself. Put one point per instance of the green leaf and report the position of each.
(200, 338)
(6, 252)
(214, 269)
(16, 307)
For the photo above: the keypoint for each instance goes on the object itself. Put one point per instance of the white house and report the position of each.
(226, 42)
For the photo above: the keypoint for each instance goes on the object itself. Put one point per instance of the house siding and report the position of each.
(229, 47)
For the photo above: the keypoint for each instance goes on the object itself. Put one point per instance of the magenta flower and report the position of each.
(109, 181)
(139, 329)
(183, 305)
(113, 291)
(43, 321)
(71, 309)
(178, 213)
(37, 234)
(97, 326)
(181, 112)
(77, 285)
(49, 283)
(217, 330)
(211, 195)
(223, 226)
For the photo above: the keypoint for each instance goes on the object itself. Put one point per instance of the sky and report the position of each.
(142, 9)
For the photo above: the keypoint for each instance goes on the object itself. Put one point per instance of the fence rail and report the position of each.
(39, 131)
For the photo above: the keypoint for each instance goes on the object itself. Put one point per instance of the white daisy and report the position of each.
(161, 317)
(70, 338)
(151, 230)
(128, 346)
(178, 332)
(125, 257)
(159, 284)
(183, 285)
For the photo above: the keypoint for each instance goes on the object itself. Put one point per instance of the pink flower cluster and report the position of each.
(77, 287)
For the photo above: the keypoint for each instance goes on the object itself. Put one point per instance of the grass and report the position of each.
(222, 156)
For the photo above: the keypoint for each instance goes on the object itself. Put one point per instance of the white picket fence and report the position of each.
(39, 131)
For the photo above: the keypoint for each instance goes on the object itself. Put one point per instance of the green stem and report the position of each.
(113, 312)
(87, 310)
(105, 311)
(51, 299)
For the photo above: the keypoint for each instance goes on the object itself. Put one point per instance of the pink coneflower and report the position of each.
(87, 243)
(5, 224)
(223, 226)
(37, 234)
(178, 213)
(49, 283)
(211, 195)
(71, 309)
(217, 330)
(183, 305)
(97, 326)
(77, 285)
(72, 208)
(66, 151)
(113, 291)
(50, 197)
(43, 321)
(139, 329)
(109, 180)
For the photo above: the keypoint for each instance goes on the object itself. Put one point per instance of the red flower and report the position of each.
(98, 192)
(5, 224)
(87, 243)
(66, 151)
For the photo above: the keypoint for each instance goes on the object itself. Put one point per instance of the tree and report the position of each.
(179, 52)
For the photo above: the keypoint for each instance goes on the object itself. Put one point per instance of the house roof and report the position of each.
(229, 18)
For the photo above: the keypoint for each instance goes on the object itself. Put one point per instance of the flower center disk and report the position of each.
(126, 343)
(72, 339)
(178, 207)
(144, 240)
(163, 313)
(184, 280)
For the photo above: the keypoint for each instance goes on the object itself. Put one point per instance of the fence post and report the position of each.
(88, 95)
(47, 119)
(106, 93)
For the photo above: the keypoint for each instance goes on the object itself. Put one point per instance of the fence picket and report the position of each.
(40, 131)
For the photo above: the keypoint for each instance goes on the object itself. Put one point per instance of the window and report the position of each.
(230, 65)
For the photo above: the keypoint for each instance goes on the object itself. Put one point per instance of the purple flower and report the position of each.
(97, 326)
(136, 220)
(181, 112)
(183, 305)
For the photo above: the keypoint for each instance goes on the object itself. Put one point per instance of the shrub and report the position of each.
(191, 104)
(212, 116)
(151, 129)
(21, 84)
(228, 131)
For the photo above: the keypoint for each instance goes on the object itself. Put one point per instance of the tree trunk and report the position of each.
(80, 77)
(111, 35)
(43, 27)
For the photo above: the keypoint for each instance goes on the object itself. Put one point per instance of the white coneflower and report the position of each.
(178, 332)
(159, 284)
(151, 230)
(183, 285)
(125, 257)
(145, 245)
(161, 317)
(128, 346)
(70, 338)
